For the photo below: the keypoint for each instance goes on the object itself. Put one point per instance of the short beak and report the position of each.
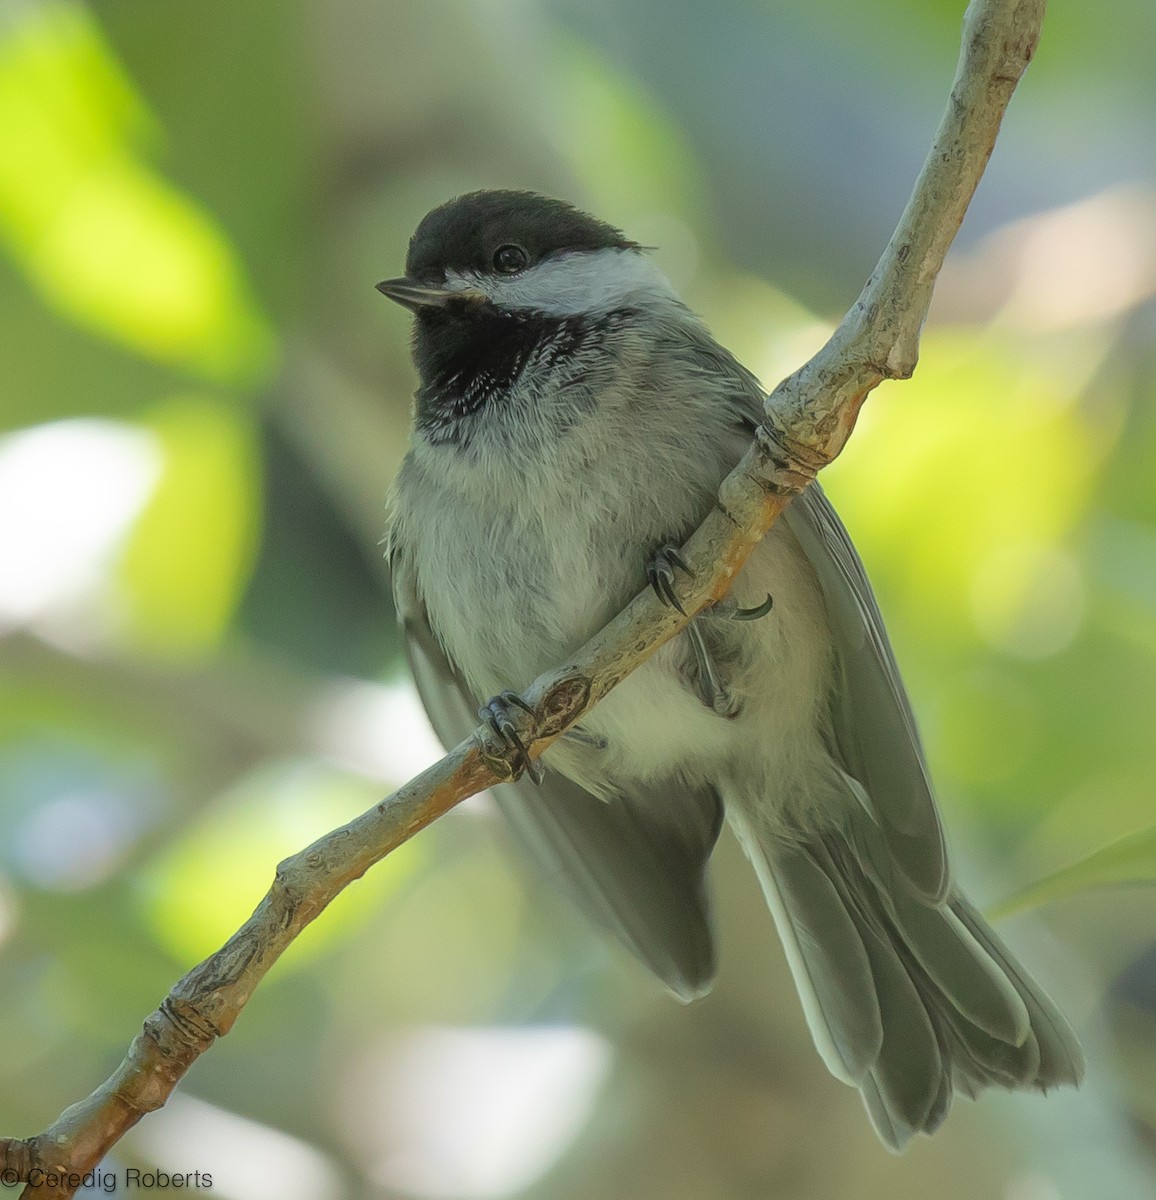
(416, 296)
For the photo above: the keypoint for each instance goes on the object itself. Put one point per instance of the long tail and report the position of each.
(906, 1000)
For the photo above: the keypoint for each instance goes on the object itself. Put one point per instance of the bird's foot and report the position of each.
(496, 714)
(713, 692)
(660, 575)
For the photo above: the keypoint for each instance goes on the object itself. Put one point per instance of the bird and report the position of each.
(572, 423)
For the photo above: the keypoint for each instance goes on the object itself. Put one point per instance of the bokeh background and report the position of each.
(202, 403)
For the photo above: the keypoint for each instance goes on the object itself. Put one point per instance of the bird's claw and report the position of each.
(732, 612)
(496, 714)
(660, 575)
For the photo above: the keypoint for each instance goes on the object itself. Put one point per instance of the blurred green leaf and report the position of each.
(245, 146)
(55, 368)
(189, 556)
(1130, 860)
(977, 536)
(102, 236)
(202, 889)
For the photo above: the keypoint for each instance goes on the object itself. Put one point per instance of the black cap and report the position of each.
(464, 234)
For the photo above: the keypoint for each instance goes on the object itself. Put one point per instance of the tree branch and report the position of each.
(809, 417)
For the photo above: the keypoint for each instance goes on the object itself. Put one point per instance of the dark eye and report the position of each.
(510, 259)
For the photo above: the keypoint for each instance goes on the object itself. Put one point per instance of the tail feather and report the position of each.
(1061, 1059)
(992, 1063)
(907, 999)
(953, 960)
(910, 1073)
(828, 961)
(963, 972)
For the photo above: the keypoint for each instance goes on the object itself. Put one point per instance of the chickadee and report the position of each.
(572, 424)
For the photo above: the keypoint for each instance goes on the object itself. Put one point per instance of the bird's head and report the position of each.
(514, 292)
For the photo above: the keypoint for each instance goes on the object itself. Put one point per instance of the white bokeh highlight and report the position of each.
(70, 492)
(246, 1159)
(378, 730)
(474, 1113)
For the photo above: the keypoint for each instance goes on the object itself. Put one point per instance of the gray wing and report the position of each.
(636, 866)
(874, 728)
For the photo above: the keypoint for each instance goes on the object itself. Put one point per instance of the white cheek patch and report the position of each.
(582, 281)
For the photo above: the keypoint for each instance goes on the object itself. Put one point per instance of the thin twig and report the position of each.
(809, 417)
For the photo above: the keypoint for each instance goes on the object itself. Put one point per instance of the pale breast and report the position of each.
(519, 564)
